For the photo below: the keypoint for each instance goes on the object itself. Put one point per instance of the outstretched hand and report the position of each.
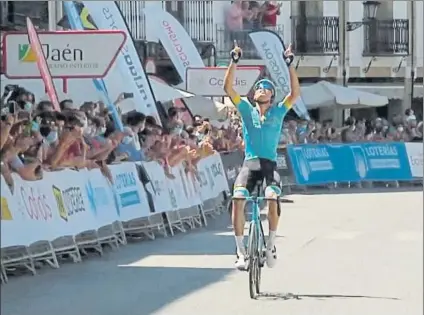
(288, 55)
(236, 52)
(289, 51)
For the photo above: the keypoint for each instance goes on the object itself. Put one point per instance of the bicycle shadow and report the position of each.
(272, 296)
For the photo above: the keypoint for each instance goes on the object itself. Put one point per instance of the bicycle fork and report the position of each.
(261, 244)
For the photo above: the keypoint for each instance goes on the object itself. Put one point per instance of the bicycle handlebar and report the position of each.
(255, 198)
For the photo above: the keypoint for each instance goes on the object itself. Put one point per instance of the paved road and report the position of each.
(341, 254)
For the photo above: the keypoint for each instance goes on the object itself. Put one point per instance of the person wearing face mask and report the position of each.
(175, 124)
(378, 134)
(348, 133)
(98, 126)
(302, 131)
(72, 147)
(201, 131)
(409, 114)
(130, 144)
(360, 130)
(411, 124)
(399, 134)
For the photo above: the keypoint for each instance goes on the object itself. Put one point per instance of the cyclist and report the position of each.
(261, 126)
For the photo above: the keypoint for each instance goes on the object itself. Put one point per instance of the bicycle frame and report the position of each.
(256, 221)
(255, 248)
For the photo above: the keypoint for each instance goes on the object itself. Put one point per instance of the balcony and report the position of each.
(13, 15)
(158, 53)
(386, 37)
(313, 35)
(225, 42)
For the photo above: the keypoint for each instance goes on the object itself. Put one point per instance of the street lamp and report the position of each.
(370, 12)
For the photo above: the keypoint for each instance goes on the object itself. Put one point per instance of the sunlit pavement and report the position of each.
(339, 254)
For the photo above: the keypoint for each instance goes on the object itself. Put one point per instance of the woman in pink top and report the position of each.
(234, 17)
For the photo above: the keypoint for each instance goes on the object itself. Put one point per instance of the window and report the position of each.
(14, 13)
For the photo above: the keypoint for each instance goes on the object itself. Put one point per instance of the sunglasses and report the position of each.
(264, 86)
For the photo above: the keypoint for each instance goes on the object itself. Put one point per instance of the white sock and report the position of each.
(240, 245)
(271, 239)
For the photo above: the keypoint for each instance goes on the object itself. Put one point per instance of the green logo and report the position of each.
(26, 54)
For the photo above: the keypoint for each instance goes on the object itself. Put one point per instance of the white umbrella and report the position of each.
(207, 107)
(165, 93)
(325, 94)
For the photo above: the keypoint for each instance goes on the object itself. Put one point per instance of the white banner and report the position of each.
(68, 54)
(186, 190)
(213, 180)
(55, 207)
(175, 40)
(107, 16)
(271, 48)
(129, 192)
(415, 156)
(47, 209)
(210, 81)
(69, 202)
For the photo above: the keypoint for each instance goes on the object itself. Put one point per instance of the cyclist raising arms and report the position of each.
(261, 125)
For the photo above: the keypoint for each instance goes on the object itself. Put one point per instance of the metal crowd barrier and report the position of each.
(397, 164)
(50, 200)
(301, 168)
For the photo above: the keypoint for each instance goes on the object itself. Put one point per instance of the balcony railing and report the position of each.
(313, 35)
(157, 52)
(386, 37)
(195, 16)
(225, 42)
(13, 15)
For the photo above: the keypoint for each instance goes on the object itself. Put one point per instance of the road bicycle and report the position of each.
(256, 244)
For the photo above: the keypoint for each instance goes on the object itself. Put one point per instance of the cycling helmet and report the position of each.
(265, 84)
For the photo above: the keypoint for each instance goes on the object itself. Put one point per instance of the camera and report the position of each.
(9, 88)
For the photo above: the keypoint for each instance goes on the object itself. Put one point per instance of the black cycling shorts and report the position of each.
(257, 170)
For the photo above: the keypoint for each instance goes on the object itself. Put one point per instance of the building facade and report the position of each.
(376, 46)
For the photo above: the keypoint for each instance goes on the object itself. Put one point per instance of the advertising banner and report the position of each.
(87, 200)
(38, 55)
(327, 163)
(271, 49)
(68, 54)
(232, 162)
(107, 16)
(75, 21)
(415, 156)
(210, 81)
(175, 40)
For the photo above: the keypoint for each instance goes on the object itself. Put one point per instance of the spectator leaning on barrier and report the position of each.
(36, 138)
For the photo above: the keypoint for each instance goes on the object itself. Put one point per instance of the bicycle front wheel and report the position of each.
(254, 269)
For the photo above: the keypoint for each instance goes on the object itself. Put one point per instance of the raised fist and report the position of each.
(236, 52)
(288, 56)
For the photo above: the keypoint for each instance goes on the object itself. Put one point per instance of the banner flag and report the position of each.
(36, 47)
(107, 16)
(271, 48)
(175, 40)
(76, 22)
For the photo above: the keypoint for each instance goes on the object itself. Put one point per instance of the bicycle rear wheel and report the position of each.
(254, 269)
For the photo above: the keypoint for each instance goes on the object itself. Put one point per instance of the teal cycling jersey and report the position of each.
(261, 138)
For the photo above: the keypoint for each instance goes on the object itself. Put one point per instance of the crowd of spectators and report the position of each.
(244, 16)
(252, 15)
(403, 128)
(36, 138)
